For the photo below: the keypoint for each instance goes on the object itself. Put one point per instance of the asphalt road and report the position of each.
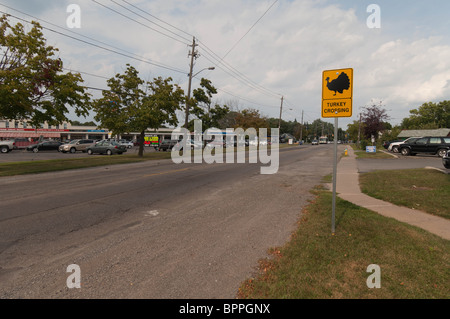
(150, 230)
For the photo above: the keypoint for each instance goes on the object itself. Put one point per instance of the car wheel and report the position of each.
(35, 150)
(108, 152)
(441, 152)
(73, 150)
(405, 151)
(89, 151)
(4, 149)
(395, 149)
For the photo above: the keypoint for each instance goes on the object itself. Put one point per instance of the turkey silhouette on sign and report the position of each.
(337, 93)
(341, 83)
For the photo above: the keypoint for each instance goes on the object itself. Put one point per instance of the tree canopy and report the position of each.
(429, 116)
(374, 118)
(202, 108)
(133, 105)
(32, 85)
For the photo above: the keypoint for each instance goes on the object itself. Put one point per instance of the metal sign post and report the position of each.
(337, 100)
(333, 213)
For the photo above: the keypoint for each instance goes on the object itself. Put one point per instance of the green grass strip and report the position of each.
(33, 167)
(315, 264)
(422, 189)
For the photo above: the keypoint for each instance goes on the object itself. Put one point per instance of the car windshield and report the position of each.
(73, 142)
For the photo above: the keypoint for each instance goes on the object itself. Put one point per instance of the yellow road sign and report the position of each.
(337, 93)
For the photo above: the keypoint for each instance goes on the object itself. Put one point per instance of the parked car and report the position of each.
(215, 144)
(394, 146)
(76, 145)
(427, 145)
(7, 146)
(166, 145)
(446, 160)
(22, 143)
(127, 144)
(386, 144)
(191, 145)
(315, 142)
(44, 146)
(106, 147)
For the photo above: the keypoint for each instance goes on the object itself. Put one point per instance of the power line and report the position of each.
(246, 99)
(104, 48)
(164, 28)
(134, 20)
(87, 73)
(94, 88)
(130, 4)
(240, 80)
(237, 74)
(213, 55)
(249, 30)
(246, 80)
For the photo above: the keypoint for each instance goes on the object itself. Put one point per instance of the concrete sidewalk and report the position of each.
(347, 188)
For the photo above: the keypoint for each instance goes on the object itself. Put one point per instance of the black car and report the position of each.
(427, 145)
(446, 160)
(166, 145)
(44, 146)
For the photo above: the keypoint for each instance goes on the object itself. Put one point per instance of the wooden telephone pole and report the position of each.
(194, 55)
(281, 110)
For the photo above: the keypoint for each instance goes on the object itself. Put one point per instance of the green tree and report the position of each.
(374, 118)
(228, 120)
(353, 130)
(429, 116)
(78, 123)
(201, 106)
(32, 85)
(134, 105)
(250, 118)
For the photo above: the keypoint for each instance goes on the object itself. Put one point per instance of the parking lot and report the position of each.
(401, 162)
(24, 155)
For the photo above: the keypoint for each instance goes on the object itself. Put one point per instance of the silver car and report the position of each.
(76, 146)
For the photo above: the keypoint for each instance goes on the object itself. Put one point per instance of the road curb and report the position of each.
(437, 169)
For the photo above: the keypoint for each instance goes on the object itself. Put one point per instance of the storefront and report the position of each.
(26, 134)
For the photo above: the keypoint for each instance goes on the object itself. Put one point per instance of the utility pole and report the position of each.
(359, 130)
(194, 55)
(301, 128)
(281, 110)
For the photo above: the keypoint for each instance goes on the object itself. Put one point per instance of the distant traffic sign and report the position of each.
(337, 93)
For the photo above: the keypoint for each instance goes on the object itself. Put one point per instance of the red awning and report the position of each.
(30, 134)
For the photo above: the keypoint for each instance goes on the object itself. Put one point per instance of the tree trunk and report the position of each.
(141, 144)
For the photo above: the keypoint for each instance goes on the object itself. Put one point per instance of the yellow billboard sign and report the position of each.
(337, 93)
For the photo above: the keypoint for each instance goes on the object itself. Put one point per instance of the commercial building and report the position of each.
(66, 131)
(441, 132)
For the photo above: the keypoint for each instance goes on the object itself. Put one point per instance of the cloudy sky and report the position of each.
(261, 49)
